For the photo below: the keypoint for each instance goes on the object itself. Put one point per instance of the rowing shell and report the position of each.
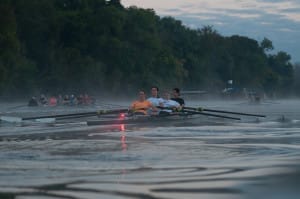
(155, 120)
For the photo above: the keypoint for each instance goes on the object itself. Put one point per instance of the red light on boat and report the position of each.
(122, 127)
(122, 115)
(123, 142)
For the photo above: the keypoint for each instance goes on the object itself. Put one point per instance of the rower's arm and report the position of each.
(132, 107)
(154, 108)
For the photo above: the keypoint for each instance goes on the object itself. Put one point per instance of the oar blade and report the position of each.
(11, 119)
(45, 120)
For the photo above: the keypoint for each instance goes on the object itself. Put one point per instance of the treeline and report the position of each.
(98, 45)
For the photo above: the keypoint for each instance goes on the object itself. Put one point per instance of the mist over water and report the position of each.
(215, 158)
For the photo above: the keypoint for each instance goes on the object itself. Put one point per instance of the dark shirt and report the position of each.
(32, 102)
(179, 100)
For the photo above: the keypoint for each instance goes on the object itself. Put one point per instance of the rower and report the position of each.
(33, 102)
(141, 106)
(52, 101)
(155, 99)
(168, 104)
(176, 97)
(43, 100)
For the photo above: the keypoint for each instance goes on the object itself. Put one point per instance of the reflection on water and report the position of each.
(248, 159)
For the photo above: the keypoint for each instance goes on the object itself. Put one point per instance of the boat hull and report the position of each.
(151, 120)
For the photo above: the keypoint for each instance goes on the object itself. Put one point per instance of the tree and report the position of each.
(67, 44)
(266, 45)
(297, 79)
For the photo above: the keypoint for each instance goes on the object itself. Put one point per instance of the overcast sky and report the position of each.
(277, 20)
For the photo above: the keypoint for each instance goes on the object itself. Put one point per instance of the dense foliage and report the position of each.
(98, 45)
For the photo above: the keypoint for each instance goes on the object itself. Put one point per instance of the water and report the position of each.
(251, 158)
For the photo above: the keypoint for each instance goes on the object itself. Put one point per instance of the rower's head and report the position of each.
(154, 91)
(142, 95)
(166, 95)
(176, 92)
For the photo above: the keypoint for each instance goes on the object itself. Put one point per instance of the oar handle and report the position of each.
(198, 112)
(174, 109)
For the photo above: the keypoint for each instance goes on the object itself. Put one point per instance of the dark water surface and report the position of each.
(251, 158)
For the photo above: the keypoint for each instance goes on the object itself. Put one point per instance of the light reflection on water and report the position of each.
(247, 159)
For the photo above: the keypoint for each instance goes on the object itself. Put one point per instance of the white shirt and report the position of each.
(169, 104)
(155, 101)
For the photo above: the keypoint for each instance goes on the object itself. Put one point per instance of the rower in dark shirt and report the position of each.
(33, 102)
(176, 94)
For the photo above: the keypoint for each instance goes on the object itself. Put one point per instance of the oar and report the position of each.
(213, 115)
(221, 111)
(199, 112)
(14, 119)
(61, 116)
(111, 105)
(93, 113)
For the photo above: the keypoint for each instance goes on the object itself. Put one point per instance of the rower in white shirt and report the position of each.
(155, 99)
(169, 104)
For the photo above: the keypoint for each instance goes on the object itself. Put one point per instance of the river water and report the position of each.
(251, 158)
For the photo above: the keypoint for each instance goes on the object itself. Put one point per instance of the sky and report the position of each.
(277, 20)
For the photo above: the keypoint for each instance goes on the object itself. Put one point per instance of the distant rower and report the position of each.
(33, 102)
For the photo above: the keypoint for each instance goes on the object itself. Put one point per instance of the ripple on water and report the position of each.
(229, 160)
